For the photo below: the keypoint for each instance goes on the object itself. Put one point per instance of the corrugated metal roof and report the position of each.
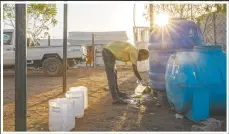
(53, 42)
(111, 35)
(85, 38)
(88, 42)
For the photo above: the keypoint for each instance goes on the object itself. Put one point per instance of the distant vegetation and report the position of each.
(188, 11)
(39, 18)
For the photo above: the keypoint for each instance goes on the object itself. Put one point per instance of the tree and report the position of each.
(188, 11)
(39, 18)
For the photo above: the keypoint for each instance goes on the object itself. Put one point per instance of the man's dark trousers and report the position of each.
(109, 62)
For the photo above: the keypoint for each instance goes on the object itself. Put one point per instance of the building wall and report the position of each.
(100, 39)
(99, 60)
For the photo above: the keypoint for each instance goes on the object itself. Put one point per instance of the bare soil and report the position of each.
(101, 115)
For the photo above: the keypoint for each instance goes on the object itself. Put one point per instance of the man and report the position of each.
(126, 52)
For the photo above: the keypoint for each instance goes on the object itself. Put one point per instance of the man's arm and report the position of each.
(136, 72)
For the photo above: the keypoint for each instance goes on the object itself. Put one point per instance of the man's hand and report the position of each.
(143, 83)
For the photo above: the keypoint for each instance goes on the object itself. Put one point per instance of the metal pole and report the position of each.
(65, 47)
(134, 27)
(134, 32)
(20, 67)
(134, 12)
(93, 50)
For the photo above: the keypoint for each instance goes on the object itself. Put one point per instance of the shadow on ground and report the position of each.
(103, 116)
(38, 83)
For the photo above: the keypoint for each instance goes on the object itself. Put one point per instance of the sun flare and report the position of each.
(161, 19)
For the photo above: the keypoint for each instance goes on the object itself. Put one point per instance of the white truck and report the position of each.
(49, 58)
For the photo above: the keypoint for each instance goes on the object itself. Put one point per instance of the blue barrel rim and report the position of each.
(208, 47)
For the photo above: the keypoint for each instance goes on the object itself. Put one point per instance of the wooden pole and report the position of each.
(93, 50)
(151, 15)
(191, 11)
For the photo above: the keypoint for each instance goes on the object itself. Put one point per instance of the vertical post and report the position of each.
(162, 33)
(163, 7)
(191, 11)
(214, 28)
(134, 33)
(162, 37)
(20, 67)
(151, 15)
(93, 50)
(134, 12)
(65, 47)
(48, 40)
(134, 25)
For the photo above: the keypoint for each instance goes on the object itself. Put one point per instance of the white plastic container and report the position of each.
(85, 91)
(139, 89)
(78, 98)
(61, 117)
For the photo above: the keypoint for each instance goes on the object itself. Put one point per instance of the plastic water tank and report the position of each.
(178, 35)
(85, 91)
(61, 117)
(196, 81)
(78, 98)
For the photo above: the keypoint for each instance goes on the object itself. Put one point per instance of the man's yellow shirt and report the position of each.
(123, 51)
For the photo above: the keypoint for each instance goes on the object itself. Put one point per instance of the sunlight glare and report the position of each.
(161, 19)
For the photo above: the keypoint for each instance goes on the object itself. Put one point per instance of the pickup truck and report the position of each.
(49, 58)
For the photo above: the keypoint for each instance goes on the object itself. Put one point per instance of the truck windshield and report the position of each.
(7, 37)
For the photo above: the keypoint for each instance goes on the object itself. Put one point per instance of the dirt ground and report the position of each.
(101, 115)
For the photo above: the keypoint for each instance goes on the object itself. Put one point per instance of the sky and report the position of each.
(98, 17)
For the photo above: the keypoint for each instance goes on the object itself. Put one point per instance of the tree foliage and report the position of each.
(188, 11)
(39, 18)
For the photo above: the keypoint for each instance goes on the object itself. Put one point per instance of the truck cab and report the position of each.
(8, 47)
(49, 58)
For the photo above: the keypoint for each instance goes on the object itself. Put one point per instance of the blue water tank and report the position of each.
(177, 36)
(196, 81)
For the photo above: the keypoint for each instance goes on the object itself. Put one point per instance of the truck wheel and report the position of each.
(52, 67)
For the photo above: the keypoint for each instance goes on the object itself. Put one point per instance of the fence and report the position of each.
(214, 28)
(141, 33)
